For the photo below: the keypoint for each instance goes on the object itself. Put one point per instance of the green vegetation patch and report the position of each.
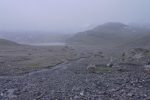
(35, 65)
(104, 69)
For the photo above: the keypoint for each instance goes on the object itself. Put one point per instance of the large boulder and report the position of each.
(147, 67)
(91, 68)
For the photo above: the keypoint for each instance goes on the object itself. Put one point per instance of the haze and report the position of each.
(69, 16)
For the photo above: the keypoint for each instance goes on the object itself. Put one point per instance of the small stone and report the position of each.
(2, 94)
(109, 65)
(140, 86)
(130, 94)
(75, 97)
(112, 90)
(145, 95)
(82, 93)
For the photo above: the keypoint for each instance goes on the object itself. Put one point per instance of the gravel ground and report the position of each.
(63, 83)
(17, 60)
(71, 81)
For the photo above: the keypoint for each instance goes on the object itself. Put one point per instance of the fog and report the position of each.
(69, 16)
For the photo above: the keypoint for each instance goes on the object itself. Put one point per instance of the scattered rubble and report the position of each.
(80, 79)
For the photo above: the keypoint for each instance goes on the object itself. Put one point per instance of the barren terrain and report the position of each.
(60, 73)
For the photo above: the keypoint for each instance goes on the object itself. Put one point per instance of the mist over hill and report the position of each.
(34, 37)
(107, 35)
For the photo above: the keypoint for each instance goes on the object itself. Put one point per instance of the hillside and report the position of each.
(108, 35)
(4, 42)
(143, 42)
(34, 37)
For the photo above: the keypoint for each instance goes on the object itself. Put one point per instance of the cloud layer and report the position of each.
(69, 15)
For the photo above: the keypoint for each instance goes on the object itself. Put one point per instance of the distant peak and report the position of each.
(114, 24)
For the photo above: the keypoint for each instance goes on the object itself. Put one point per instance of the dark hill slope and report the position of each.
(108, 35)
(4, 42)
(143, 42)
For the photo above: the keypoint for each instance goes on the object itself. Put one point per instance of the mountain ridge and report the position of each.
(110, 34)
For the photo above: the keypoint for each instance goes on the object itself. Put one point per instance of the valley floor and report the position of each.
(60, 73)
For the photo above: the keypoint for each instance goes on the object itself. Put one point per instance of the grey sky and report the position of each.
(69, 15)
